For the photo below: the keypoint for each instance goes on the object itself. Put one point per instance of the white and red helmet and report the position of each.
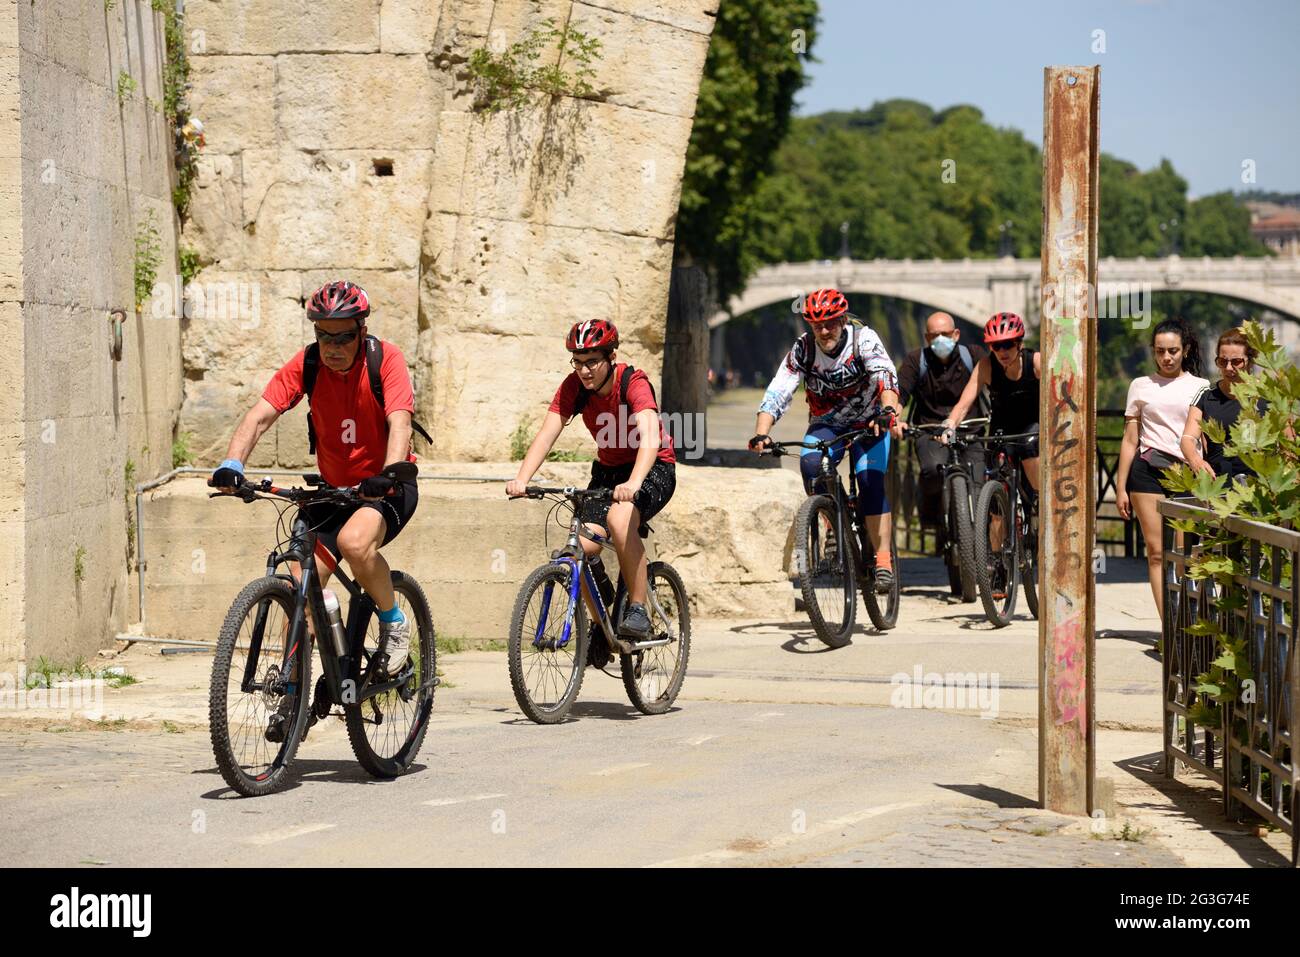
(591, 334)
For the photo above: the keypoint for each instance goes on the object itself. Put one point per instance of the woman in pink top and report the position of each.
(1153, 427)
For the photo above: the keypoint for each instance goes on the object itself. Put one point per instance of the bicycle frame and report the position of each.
(573, 556)
(305, 548)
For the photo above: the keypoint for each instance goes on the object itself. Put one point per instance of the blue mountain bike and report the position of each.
(550, 642)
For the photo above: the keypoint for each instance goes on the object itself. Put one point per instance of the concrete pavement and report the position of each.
(780, 752)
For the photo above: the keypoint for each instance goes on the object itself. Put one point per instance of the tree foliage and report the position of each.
(755, 65)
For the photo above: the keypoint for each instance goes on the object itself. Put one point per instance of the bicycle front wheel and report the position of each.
(823, 557)
(961, 534)
(995, 564)
(386, 730)
(256, 713)
(654, 676)
(545, 666)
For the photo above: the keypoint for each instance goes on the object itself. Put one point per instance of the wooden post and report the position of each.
(1067, 463)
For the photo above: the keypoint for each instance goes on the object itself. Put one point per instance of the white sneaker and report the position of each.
(398, 634)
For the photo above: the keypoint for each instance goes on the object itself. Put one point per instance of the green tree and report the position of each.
(755, 65)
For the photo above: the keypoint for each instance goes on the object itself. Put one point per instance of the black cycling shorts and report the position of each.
(657, 488)
(326, 519)
(1021, 448)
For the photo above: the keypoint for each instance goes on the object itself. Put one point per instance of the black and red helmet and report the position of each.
(822, 305)
(1003, 327)
(591, 334)
(339, 300)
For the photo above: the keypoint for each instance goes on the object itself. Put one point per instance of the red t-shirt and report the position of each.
(617, 442)
(351, 428)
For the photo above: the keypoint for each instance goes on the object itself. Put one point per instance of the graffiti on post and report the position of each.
(1068, 655)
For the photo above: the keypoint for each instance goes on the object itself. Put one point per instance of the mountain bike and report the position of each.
(830, 556)
(958, 506)
(550, 644)
(1007, 509)
(259, 708)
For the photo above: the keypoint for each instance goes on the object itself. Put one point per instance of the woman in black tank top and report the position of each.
(1015, 401)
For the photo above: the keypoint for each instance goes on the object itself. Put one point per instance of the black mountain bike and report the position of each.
(1006, 512)
(551, 645)
(958, 504)
(259, 708)
(830, 557)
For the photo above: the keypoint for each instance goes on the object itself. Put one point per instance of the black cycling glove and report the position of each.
(377, 486)
(229, 474)
(760, 441)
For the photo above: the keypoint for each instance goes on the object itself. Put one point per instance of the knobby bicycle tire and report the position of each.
(662, 578)
(560, 576)
(807, 551)
(962, 535)
(883, 609)
(998, 612)
(423, 645)
(247, 783)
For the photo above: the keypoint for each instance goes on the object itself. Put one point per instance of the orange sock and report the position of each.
(884, 559)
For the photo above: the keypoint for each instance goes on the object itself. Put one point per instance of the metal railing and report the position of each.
(1251, 753)
(903, 488)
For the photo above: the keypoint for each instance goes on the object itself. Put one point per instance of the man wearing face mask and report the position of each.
(932, 378)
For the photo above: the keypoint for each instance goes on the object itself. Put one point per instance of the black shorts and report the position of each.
(1021, 448)
(397, 509)
(1145, 477)
(658, 487)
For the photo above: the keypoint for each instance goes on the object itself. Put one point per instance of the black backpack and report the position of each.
(583, 394)
(374, 361)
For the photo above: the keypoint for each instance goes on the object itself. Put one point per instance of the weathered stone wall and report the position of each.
(492, 234)
(470, 547)
(82, 172)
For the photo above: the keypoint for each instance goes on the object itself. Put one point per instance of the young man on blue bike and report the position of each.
(354, 437)
(847, 376)
(633, 458)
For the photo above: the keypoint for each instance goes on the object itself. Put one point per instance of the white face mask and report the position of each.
(942, 346)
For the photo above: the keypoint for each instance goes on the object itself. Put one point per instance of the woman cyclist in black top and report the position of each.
(1012, 374)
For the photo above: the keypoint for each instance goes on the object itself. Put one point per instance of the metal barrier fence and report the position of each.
(904, 493)
(1251, 754)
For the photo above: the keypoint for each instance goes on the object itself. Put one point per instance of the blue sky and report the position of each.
(1206, 84)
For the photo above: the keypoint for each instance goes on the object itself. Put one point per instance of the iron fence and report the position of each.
(1250, 754)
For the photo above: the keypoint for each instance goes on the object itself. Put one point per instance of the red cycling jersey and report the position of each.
(616, 442)
(351, 429)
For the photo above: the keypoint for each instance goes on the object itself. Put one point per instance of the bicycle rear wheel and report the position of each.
(653, 677)
(545, 670)
(883, 609)
(826, 575)
(997, 570)
(251, 646)
(386, 730)
(961, 534)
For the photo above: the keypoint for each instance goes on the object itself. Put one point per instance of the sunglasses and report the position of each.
(1003, 346)
(336, 338)
(1234, 362)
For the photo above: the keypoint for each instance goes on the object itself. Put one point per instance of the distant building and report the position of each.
(1276, 226)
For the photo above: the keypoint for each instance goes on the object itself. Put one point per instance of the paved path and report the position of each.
(780, 752)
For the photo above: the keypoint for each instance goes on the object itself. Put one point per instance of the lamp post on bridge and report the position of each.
(1004, 238)
(1169, 237)
(844, 240)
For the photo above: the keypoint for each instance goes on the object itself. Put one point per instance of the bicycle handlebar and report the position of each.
(569, 491)
(780, 448)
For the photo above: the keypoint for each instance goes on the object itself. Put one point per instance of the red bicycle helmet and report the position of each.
(1004, 326)
(339, 300)
(591, 334)
(822, 305)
